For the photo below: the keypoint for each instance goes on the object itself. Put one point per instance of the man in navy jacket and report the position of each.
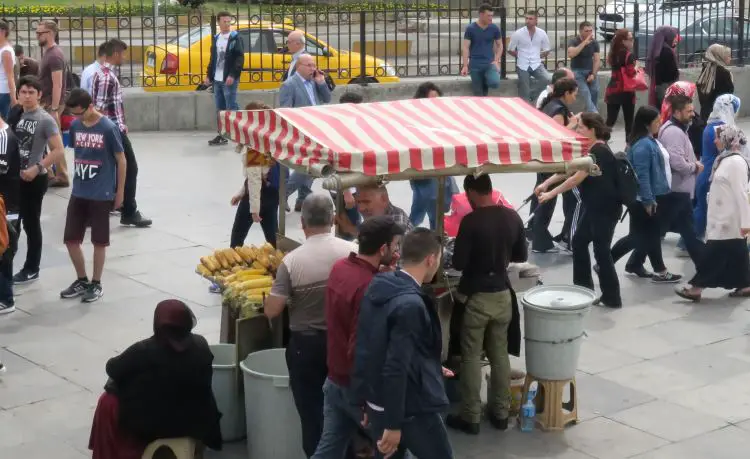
(397, 377)
(224, 68)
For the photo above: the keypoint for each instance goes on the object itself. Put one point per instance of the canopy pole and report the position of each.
(283, 171)
(347, 180)
(439, 217)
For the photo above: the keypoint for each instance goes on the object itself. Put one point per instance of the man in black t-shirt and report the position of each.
(10, 178)
(583, 51)
(489, 239)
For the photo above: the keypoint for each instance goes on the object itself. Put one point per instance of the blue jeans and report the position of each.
(4, 105)
(541, 80)
(589, 92)
(424, 436)
(424, 200)
(341, 420)
(225, 96)
(483, 79)
(301, 183)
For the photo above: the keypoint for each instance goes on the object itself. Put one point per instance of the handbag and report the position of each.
(634, 83)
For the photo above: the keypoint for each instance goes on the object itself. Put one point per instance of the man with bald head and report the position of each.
(295, 45)
(305, 87)
(373, 201)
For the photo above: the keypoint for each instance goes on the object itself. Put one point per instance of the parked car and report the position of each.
(621, 13)
(697, 33)
(180, 65)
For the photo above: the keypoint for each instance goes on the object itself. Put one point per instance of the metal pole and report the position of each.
(363, 47)
(741, 36)
(503, 38)
(636, 19)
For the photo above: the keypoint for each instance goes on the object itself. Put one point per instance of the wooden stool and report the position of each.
(182, 448)
(552, 413)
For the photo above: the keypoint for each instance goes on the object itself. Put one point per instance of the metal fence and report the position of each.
(169, 47)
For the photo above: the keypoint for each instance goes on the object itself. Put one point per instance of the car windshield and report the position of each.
(191, 37)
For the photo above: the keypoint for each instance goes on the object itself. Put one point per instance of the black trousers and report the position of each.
(597, 228)
(30, 212)
(6, 264)
(129, 206)
(644, 239)
(677, 216)
(269, 217)
(306, 361)
(570, 202)
(628, 110)
(541, 239)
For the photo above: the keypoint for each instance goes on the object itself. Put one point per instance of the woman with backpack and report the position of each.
(601, 211)
(726, 263)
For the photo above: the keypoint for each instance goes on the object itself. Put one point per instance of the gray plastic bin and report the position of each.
(227, 388)
(273, 426)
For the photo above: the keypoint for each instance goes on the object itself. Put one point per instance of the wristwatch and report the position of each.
(40, 167)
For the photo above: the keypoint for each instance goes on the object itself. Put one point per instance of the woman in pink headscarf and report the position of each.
(661, 64)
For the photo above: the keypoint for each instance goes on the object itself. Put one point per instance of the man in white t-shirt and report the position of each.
(559, 74)
(224, 68)
(529, 45)
(87, 76)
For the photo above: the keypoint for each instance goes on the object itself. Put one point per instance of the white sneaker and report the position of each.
(2, 368)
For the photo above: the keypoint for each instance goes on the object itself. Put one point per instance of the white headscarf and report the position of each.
(734, 142)
(725, 110)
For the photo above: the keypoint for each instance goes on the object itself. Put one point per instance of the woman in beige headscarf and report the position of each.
(715, 79)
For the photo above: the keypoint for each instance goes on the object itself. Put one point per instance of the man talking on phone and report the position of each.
(305, 88)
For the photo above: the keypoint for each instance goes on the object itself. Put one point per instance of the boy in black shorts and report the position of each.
(98, 187)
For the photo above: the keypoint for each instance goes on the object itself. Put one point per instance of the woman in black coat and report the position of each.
(715, 79)
(158, 388)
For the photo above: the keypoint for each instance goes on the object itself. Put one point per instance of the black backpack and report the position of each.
(626, 180)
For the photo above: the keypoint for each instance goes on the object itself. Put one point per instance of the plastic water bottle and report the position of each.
(528, 412)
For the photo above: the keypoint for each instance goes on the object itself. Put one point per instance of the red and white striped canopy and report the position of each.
(391, 137)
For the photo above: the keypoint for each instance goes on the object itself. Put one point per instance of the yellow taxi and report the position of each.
(180, 65)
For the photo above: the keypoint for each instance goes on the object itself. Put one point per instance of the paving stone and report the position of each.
(606, 439)
(727, 443)
(601, 397)
(668, 421)
(728, 399)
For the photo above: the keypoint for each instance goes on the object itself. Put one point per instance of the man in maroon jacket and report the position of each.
(379, 240)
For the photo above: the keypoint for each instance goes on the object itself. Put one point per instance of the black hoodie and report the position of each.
(397, 355)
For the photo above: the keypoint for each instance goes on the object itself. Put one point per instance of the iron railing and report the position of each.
(168, 46)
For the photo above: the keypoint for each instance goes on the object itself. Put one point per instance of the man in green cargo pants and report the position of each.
(489, 238)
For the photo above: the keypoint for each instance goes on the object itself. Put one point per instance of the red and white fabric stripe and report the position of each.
(421, 134)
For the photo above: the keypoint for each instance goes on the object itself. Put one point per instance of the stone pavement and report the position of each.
(659, 379)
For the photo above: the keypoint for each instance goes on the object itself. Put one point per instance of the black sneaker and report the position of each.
(217, 141)
(93, 292)
(550, 250)
(6, 308)
(666, 278)
(456, 422)
(24, 277)
(2, 368)
(298, 206)
(498, 422)
(640, 271)
(76, 289)
(137, 220)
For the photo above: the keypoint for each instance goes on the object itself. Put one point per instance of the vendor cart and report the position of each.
(351, 145)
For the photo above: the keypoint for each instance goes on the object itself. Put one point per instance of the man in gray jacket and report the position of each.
(678, 215)
(305, 88)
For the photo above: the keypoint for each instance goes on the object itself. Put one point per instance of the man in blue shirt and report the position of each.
(98, 187)
(482, 48)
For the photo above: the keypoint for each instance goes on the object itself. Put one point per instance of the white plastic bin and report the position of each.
(273, 426)
(553, 329)
(227, 387)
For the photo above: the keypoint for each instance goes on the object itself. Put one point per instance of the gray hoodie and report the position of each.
(675, 139)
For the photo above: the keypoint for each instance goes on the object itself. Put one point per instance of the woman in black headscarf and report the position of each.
(158, 388)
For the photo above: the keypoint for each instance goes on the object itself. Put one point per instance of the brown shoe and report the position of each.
(55, 182)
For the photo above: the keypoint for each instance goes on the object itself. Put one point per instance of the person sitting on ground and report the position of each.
(373, 201)
(725, 262)
(158, 388)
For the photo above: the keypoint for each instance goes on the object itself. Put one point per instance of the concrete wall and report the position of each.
(170, 111)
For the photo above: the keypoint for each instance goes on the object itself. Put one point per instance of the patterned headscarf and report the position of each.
(716, 56)
(725, 110)
(684, 88)
(734, 142)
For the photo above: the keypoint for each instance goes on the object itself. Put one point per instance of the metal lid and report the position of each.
(559, 297)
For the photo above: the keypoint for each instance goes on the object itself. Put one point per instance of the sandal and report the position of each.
(684, 292)
(740, 293)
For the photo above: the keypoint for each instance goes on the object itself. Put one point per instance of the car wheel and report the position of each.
(363, 80)
(695, 59)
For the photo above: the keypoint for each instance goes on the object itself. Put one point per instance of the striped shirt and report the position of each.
(303, 276)
(107, 94)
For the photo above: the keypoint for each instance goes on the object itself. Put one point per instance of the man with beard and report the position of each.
(489, 238)
(52, 75)
(379, 239)
(373, 201)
